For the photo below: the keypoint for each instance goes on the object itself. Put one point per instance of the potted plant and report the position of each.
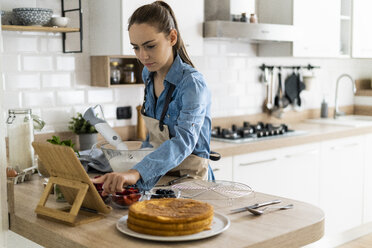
(86, 132)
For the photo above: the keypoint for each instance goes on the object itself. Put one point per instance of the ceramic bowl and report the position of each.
(33, 16)
(59, 21)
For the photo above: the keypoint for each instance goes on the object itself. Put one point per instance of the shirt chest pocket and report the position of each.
(173, 112)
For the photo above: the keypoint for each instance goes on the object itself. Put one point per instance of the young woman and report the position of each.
(176, 108)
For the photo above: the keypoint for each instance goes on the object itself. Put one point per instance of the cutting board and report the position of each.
(66, 171)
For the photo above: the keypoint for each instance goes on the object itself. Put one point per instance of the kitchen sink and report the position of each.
(346, 120)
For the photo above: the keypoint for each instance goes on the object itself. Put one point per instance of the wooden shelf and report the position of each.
(100, 70)
(363, 87)
(39, 29)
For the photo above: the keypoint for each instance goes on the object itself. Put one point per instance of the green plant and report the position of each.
(79, 125)
(56, 140)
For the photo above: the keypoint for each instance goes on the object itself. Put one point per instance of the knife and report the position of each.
(254, 206)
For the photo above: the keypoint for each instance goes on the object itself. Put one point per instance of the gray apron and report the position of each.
(196, 167)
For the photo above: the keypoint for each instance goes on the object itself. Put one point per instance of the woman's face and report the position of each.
(152, 48)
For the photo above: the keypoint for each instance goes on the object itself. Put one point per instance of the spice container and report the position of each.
(115, 73)
(243, 18)
(129, 76)
(20, 125)
(253, 18)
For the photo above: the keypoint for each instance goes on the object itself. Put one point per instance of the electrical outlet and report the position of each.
(123, 112)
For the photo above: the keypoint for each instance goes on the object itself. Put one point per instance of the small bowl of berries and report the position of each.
(99, 188)
(126, 198)
(157, 193)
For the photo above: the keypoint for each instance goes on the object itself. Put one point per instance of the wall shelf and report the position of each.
(64, 31)
(39, 29)
(100, 70)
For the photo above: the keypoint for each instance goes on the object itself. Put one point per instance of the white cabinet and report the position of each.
(222, 169)
(367, 213)
(291, 172)
(108, 25)
(317, 28)
(362, 32)
(341, 183)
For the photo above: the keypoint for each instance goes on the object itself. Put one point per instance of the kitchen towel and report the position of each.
(94, 159)
(293, 88)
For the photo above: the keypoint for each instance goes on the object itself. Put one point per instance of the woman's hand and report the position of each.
(114, 182)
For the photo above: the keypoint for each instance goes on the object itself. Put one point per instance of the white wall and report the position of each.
(56, 85)
(3, 195)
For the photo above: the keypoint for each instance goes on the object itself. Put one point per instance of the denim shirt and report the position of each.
(188, 119)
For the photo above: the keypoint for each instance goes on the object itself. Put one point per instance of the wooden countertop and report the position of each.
(314, 133)
(295, 227)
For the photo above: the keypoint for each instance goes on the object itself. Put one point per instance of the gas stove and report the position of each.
(252, 132)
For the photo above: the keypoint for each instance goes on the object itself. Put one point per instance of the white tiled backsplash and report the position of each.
(55, 85)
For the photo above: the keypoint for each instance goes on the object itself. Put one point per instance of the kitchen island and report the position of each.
(295, 227)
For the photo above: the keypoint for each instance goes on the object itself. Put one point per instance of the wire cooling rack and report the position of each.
(212, 190)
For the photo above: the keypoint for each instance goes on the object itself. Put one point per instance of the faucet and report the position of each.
(337, 112)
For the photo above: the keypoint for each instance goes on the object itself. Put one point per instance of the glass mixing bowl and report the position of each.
(124, 160)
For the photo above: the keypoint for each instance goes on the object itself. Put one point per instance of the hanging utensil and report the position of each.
(284, 99)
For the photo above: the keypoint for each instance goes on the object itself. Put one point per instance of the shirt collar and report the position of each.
(174, 74)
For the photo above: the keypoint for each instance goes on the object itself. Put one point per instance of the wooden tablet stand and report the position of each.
(67, 172)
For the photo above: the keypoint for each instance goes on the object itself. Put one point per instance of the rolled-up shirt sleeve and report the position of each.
(194, 100)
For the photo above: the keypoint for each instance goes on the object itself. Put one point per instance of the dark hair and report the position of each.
(160, 15)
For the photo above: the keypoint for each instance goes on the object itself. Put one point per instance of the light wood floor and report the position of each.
(363, 242)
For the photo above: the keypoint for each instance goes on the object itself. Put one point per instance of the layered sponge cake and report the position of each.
(170, 217)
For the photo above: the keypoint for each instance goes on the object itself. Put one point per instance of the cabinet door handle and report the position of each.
(343, 146)
(215, 169)
(258, 162)
(301, 154)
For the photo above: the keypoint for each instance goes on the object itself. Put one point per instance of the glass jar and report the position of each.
(115, 73)
(129, 76)
(253, 18)
(20, 125)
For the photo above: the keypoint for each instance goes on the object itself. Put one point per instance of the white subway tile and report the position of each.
(20, 44)
(57, 115)
(129, 96)
(81, 79)
(12, 99)
(37, 63)
(248, 101)
(65, 63)
(22, 81)
(217, 63)
(11, 63)
(236, 89)
(38, 99)
(228, 75)
(49, 44)
(211, 48)
(100, 96)
(65, 98)
(236, 63)
(56, 80)
(211, 76)
(43, 45)
(109, 111)
(244, 75)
